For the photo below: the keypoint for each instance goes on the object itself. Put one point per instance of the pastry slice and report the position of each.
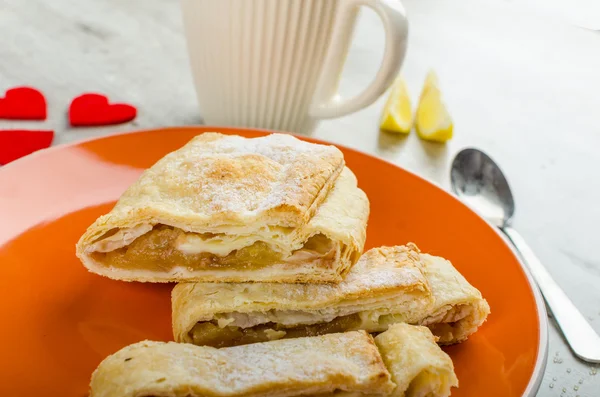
(228, 209)
(405, 361)
(459, 309)
(417, 365)
(388, 285)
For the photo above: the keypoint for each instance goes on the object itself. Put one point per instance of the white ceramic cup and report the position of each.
(276, 64)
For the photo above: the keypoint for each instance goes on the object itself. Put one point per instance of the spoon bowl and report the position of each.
(479, 182)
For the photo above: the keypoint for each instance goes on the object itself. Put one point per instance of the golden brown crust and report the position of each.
(388, 285)
(236, 186)
(225, 180)
(305, 366)
(402, 362)
(459, 309)
(384, 280)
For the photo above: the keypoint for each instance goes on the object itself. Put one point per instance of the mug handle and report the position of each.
(326, 102)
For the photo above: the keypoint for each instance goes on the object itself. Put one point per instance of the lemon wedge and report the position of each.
(433, 122)
(397, 114)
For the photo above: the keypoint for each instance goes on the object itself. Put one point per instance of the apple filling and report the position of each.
(163, 248)
(448, 323)
(225, 332)
(209, 333)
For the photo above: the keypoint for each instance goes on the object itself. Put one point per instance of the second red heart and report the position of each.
(95, 110)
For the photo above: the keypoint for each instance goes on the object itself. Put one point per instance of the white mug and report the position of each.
(276, 64)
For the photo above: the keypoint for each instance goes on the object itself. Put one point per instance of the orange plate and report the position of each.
(59, 321)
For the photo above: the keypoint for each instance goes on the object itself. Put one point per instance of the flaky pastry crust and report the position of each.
(276, 190)
(388, 285)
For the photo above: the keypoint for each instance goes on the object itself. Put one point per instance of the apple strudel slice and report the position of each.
(404, 361)
(388, 285)
(225, 208)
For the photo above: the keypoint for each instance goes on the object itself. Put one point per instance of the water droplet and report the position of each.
(554, 379)
(568, 370)
(564, 390)
(556, 354)
(575, 387)
(557, 360)
(552, 385)
(593, 371)
(580, 381)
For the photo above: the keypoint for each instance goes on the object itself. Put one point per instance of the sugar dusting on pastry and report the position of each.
(281, 148)
(243, 166)
(232, 175)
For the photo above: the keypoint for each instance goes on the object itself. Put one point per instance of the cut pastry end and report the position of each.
(172, 252)
(418, 366)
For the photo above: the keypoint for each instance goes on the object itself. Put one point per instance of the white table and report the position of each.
(522, 88)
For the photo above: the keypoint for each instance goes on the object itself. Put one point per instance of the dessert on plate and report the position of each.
(224, 208)
(403, 361)
(388, 285)
(265, 236)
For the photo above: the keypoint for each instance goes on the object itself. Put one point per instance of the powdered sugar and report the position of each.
(281, 148)
(239, 177)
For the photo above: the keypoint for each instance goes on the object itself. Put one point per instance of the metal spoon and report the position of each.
(478, 181)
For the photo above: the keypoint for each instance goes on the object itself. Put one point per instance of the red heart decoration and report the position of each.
(15, 144)
(23, 103)
(94, 110)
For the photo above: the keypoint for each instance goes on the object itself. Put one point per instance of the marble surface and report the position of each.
(522, 86)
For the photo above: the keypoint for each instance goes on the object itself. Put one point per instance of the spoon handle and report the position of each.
(582, 338)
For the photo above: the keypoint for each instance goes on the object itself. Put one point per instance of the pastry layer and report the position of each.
(459, 309)
(403, 361)
(226, 208)
(388, 285)
(418, 366)
(164, 248)
(307, 366)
